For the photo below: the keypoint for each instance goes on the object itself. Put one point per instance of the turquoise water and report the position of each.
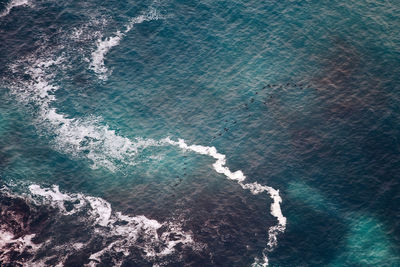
(110, 112)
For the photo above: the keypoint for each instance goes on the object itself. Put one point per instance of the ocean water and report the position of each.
(211, 133)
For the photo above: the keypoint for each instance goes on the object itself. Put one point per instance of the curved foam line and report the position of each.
(106, 148)
(77, 137)
(104, 45)
(238, 176)
(11, 5)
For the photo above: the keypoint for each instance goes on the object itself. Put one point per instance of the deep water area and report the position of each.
(199, 133)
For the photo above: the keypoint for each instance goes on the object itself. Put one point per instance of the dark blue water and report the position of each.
(213, 133)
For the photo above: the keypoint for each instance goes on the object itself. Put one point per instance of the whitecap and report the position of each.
(12, 4)
(154, 239)
(9, 244)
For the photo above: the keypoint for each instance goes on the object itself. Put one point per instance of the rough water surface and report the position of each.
(228, 133)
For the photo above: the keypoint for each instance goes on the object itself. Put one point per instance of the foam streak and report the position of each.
(107, 149)
(11, 5)
(104, 45)
(88, 138)
(238, 176)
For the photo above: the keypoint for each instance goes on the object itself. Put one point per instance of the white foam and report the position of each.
(11, 5)
(105, 44)
(53, 193)
(89, 138)
(105, 148)
(99, 143)
(58, 199)
(77, 137)
(125, 230)
(154, 247)
(14, 239)
(239, 177)
(11, 245)
(103, 47)
(7, 238)
(261, 262)
(101, 209)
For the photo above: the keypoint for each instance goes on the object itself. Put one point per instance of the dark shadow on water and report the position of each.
(343, 142)
(348, 148)
(312, 238)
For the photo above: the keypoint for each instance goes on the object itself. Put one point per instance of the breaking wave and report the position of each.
(117, 233)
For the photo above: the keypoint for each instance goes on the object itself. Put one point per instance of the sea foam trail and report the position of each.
(89, 138)
(105, 148)
(77, 137)
(238, 176)
(104, 45)
(11, 5)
